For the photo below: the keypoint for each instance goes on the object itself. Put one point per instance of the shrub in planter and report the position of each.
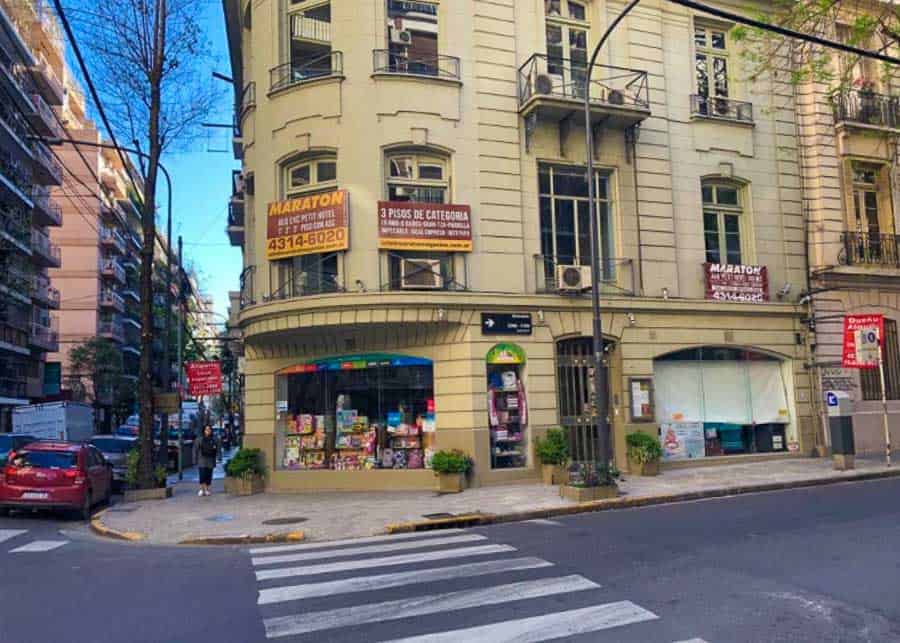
(644, 453)
(553, 450)
(591, 481)
(245, 473)
(451, 467)
(132, 493)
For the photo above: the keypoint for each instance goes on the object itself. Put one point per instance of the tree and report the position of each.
(94, 366)
(146, 57)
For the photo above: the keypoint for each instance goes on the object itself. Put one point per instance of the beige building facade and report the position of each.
(446, 303)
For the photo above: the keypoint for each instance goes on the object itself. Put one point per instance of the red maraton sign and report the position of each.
(407, 225)
(862, 340)
(729, 282)
(204, 378)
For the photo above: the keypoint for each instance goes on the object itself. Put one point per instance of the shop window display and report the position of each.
(357, 412)
(507, 406)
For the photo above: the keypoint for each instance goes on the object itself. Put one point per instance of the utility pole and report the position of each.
(180, 361)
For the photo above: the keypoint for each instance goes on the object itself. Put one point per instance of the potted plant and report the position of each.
(245, 473)
(553, 450)
(591, 481)
(451, 467)
(644, 453)
(132, 493)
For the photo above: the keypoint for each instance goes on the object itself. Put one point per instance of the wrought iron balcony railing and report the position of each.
(543, 75)
(866, 108)
(439, 66)
(46, 210)
(42, 247)
(246, 283)
(44, 337)
(298, 72)
(863, 249)
(617, 276)
(322, 278)
(724, 108)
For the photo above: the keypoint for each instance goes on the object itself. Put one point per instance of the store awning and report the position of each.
(355, 362)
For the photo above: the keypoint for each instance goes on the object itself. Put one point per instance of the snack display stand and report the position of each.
(507, 407)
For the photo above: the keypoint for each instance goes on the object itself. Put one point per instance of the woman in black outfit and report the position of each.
(205, 451)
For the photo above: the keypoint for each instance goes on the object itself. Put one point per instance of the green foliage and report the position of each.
(643, 448)
(454, 461)
(593, 474)
(97, 361)
(133, 462)
(552, 449)
(245, 463)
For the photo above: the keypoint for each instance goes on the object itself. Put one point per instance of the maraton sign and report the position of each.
(862, 341)
(424, 226)
(204, 378)
(308, 225)
(727, 282)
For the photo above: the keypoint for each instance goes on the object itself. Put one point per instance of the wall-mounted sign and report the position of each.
(204, 378)
(308, 225)
(837, 379)
(355, 363)
(682, 441)
(506, 354)
(727, 282)
(641, 399)
(506, 323)
(862, 341)
(441, 227)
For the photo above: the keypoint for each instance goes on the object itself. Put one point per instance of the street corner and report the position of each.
(246, 539)
(99, 528)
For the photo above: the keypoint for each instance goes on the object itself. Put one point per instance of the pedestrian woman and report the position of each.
(205, 451)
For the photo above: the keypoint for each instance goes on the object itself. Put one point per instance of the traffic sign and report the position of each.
(506, 323)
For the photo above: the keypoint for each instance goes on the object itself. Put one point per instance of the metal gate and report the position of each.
(574, 392)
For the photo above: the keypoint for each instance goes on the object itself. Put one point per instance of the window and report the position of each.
(413, 37)
(711, 62)
(565, 217)
(310, 176)
(865, 199)
(722, 213)
(308, 47)
(567, 43)
(417, 177)
(870, 379)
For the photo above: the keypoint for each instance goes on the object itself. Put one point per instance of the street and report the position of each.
(818, 564)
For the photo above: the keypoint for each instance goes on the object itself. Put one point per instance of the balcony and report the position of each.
(46, 211)
(725, 109)
(13, 388)
(111, 238)
(296, 73)
(13, 130)
(866, 109)
(433, 66)
(322, 278)
(132, 294)
(43, 119)
(877, 250)
(45, 294)
(617, 278)
(306, 28)
(15, 178)
(46, 81)
(15, 283)
(236, 221)
(43, 252)
(44, 337)
(111, 269)
(248, 100)
(553, 89)
(47, 168)
(111, 329)
(15, 229)
(111, 300)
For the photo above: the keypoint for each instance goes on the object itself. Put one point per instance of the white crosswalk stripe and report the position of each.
(9, 534)
(39, 546)
(545, 521)
(17, 541)
(333, 544)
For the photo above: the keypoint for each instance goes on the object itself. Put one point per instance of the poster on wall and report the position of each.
(682, 441)
(441, 227)
(730, 282)
(307, 225)
(641, 399)
(862, 335)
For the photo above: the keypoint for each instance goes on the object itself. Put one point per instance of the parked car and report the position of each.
(55, 475)
(11, 442)
(115, 449)
(127, 431)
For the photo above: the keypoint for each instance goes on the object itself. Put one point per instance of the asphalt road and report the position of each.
(819, 564)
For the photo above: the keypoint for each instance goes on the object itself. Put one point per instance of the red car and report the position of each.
(55, 475)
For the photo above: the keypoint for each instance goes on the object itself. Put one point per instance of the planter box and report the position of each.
(137, 495)
(245, 486)
(554, 474)
(587, 494)
(645, 469)
(451, 482)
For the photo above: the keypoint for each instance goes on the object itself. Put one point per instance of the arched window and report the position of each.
(723, 221)
(418, 176)
(310, 174)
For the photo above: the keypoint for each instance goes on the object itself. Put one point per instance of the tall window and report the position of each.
(870, 378)
(722, 215)
(417, 177)
(565, 217)
(413, 37)
(711, 63)
(865, 199)
(567, 40)
(308, 31)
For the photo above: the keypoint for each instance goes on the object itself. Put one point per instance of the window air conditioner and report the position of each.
(421, 273)
(573, 278)
(401, 37)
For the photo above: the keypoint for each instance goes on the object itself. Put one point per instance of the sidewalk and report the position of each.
(331, 515)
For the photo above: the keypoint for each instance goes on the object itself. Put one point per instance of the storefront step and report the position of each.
(714, 461)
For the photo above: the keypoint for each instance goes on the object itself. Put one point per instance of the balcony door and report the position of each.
(567, 46)
(872, 213)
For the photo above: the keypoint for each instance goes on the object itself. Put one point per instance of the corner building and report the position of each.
(447, 303)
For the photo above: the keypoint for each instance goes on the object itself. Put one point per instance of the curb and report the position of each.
(100, 529)
(289, 537)
(479, 519)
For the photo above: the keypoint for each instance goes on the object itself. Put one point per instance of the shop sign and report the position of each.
(441, 227)
(506, 354)
(837, 379)
(727, 282)
(355, 363)
(506, 323)
(204, 378)
(862, 335)
(308, 225)
(682, 441)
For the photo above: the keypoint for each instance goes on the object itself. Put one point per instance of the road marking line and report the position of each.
(381, 581)
(548, 627)
(387, 561)
(352, 541)
(423, 605)
(39, 545)
(545, 521)
(692, 641)
(363, 551)
(9, 534)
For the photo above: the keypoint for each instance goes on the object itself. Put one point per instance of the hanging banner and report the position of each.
(727, 282)
(441, 227)
(862, 340)
(204, 378)
(308, 225)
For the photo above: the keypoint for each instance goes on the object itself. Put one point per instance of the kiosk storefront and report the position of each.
(355, 412)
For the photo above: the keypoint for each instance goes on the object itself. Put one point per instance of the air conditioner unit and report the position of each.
(543, 84)
(401, 37)
(573, 278)
(421, 273)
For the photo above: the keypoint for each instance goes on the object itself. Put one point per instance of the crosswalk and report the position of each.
(448, 586)
(18, 540)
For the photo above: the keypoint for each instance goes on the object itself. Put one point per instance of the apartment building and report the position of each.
(413, 213)
(28, 173)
